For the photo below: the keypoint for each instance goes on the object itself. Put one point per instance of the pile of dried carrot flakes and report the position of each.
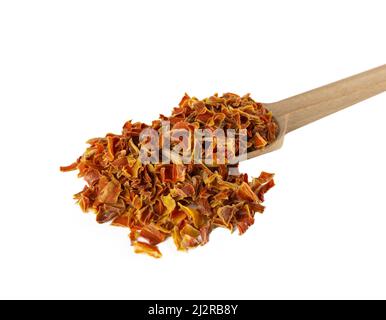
(183, 201)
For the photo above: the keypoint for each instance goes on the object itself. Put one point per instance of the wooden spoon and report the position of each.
(297, 111)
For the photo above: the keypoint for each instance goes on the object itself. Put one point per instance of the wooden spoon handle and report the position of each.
(318, 103)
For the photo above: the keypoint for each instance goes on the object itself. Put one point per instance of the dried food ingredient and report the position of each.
(182, 201)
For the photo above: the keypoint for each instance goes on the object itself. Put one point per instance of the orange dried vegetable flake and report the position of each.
(183, 201)
(142, 247)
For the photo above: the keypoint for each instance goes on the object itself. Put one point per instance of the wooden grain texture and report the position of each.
(302, 109)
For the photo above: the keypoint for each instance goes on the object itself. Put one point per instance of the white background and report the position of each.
(72, 70)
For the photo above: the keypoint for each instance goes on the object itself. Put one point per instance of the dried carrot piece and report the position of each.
(142, 247)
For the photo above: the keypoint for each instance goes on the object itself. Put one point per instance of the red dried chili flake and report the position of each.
(183, 201)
